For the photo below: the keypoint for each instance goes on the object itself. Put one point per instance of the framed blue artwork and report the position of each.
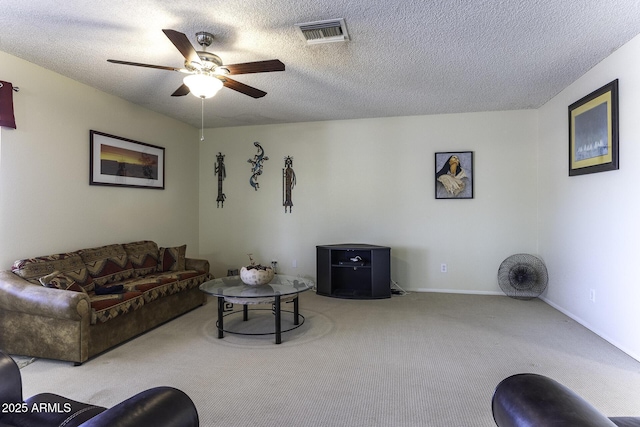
(593, 132)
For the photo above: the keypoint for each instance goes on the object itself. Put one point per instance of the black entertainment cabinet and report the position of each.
(353, 270)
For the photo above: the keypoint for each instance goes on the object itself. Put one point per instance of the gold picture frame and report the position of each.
(593, 132)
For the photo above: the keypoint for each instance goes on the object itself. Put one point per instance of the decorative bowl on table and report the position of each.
(256, 275)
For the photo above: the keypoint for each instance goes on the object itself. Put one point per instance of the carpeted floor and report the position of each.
(422, 359)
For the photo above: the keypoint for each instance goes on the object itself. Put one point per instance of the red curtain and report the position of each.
(6, 105)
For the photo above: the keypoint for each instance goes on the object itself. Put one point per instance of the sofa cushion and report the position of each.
(58, 280)
(143, 256)
(71, 264)
(107, 307)
(162, 284)
(107, 264)
(153, 287)
(172, 259)
(190, 279)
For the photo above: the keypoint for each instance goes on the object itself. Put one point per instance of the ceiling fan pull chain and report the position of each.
(202, 128)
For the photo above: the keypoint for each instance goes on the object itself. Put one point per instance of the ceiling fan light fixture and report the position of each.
(203, 85)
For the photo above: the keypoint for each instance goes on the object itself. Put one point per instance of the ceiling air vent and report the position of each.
(329, 31)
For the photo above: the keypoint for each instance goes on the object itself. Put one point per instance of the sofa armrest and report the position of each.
(16, 294)
(197, 264)
(159, 406)
(535, 400)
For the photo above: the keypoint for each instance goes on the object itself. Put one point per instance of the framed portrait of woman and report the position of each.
(454, 175)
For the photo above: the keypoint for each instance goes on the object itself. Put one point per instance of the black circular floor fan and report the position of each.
(523, 276)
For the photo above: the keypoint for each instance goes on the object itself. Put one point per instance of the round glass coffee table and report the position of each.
(230, 290)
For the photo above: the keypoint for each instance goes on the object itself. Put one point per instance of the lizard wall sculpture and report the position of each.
(256, 166)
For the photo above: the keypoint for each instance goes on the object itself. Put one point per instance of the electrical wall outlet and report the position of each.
(592, 295)
(443, 268)
(294, 263)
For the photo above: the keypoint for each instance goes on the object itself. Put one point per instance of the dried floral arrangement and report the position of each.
(254, 266)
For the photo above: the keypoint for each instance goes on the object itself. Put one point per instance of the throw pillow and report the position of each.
(107, 264)
(143, 256)
(60, 280)
(172, 259)
(32, 269)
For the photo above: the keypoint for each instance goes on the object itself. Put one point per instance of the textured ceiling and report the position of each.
(405, 57)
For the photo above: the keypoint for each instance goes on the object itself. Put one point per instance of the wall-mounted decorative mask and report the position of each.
(222, 174)
(256, 166)
(288, 182)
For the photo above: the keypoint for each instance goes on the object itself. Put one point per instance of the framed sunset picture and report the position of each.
(123, 162)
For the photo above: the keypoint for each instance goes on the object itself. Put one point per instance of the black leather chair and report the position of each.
(531, 400)
(159, 406)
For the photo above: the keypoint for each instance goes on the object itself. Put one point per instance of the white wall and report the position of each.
(372, 181)
(46, 203)
(358, 181)
(589, 225)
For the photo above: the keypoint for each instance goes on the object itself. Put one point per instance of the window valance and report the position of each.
(6, 105)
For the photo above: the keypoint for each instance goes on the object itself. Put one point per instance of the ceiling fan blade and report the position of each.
(181, 91)
(243, 88)
(255, 67)
(137, 64)
(181, 42)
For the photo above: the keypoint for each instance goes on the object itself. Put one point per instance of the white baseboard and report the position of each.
(454, 291)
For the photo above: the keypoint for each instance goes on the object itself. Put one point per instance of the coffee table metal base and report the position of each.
(277, 311)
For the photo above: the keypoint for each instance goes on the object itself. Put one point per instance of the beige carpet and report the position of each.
(418, 360)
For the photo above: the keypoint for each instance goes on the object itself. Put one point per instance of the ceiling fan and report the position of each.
(206, 72)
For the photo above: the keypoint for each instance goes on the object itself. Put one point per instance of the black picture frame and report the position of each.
(122, 162)
(454, 175)
(593, 132)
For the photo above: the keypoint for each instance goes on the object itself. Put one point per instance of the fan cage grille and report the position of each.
(523, 276)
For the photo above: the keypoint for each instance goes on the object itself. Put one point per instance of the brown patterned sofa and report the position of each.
(72, 306)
